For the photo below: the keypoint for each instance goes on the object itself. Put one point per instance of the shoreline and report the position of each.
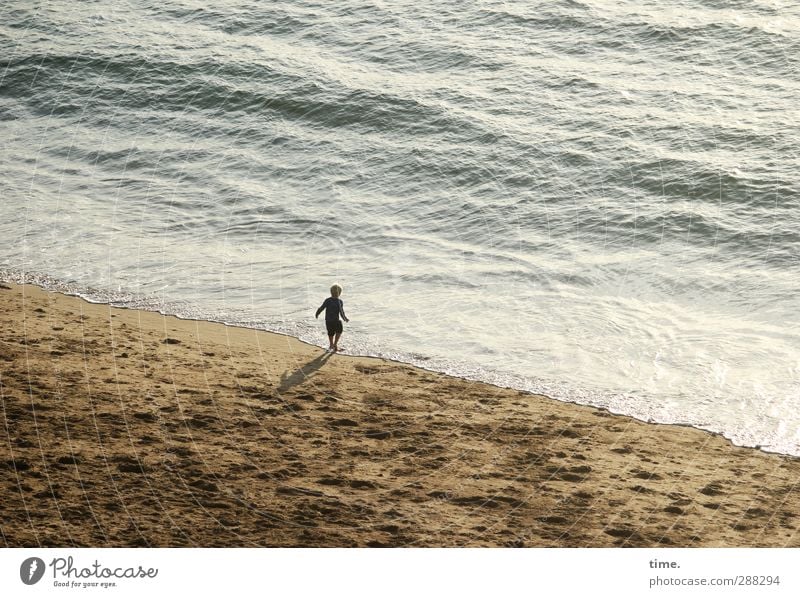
(124, 427)
(65, 289)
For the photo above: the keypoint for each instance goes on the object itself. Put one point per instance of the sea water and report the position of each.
(591, 199)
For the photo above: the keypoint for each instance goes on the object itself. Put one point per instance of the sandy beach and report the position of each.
(129, 428)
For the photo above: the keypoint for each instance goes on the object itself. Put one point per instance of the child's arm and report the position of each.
(321, 308)
(341, 310)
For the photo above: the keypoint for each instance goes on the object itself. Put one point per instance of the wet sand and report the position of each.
(129, 428)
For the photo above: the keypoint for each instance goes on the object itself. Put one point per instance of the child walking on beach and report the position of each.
(333, 306)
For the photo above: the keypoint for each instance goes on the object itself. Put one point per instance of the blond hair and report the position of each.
(336, 290)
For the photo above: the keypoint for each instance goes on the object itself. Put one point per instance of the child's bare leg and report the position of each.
(336, 341)
(331, 344)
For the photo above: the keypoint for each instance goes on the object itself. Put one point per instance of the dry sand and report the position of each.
(128, 428)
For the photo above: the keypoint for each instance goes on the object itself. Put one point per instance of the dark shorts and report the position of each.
(334, 327)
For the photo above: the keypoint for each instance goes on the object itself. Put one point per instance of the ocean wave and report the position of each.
(688, 179)
(68, 84)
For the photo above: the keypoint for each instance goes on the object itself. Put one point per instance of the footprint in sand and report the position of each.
(713, 488)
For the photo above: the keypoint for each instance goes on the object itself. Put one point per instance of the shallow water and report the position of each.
(595, 200)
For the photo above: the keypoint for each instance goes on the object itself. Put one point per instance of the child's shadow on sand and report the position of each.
(290, 380)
